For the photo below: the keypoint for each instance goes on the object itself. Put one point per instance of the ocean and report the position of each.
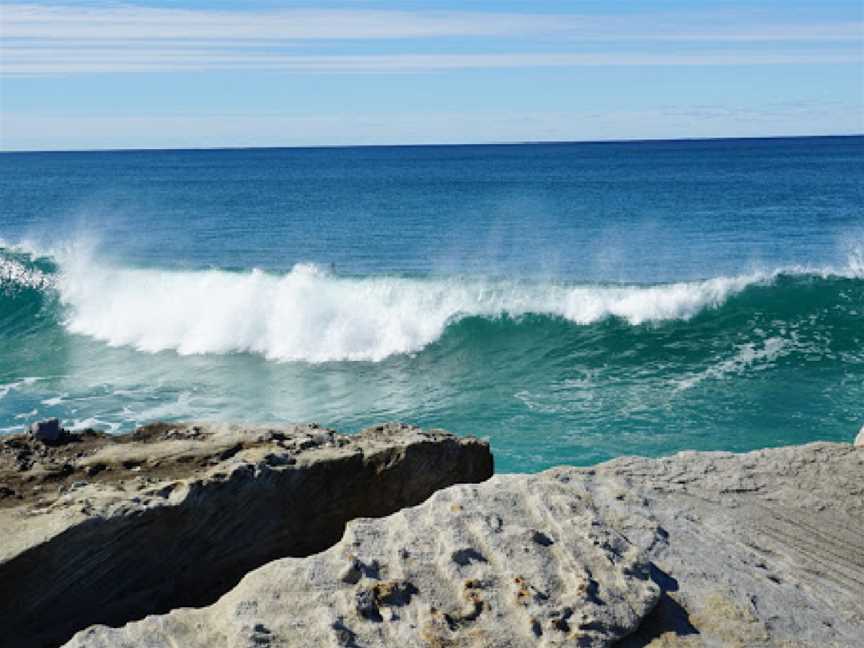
(569, 302)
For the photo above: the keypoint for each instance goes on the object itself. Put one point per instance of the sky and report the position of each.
(189, 73)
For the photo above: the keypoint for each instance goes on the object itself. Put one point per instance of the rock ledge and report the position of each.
(756, 550)
(106, 529)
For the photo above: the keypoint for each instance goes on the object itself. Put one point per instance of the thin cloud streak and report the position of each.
(102, 61)
(39, 22)
(40, 40)
(117, 22)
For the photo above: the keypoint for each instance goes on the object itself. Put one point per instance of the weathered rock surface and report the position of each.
(104, 529)
(516, 561)
(764, 549)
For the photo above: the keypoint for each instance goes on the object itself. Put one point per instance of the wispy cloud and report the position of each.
(118, 22)
(26, 62)
(124, 22)
(56, 40)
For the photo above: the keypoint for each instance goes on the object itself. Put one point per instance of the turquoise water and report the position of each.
(570, 302)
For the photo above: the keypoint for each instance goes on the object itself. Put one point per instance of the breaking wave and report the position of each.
(311, 315)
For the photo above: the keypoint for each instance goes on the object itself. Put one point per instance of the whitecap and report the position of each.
(311, 315)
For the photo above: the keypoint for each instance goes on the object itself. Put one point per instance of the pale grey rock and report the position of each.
(763, 549)
(106, 529)
(515, 561)
(756, 550)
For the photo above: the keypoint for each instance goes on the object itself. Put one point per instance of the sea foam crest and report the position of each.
(14, 274)
(310, 315)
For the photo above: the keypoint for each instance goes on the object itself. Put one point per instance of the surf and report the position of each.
(310, 314)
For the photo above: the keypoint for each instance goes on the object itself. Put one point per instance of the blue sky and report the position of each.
(229, 73)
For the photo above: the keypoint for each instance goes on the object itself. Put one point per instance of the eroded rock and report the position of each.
(104, 529)
(515, 561)
(762, 550)
(756, 550)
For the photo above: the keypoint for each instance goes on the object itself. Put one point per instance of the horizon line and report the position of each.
(143, 149)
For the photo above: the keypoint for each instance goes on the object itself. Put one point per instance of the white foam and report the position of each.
(14, 274)
(310, 315)
(174, 409)
(746, 356)
(92, 423)
(8, 387)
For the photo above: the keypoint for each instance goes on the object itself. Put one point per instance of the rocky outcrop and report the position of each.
(49, 432)
(516, 561)
(764, 549)
(106, 529)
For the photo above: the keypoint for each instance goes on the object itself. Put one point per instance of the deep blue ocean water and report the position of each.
(570, 302)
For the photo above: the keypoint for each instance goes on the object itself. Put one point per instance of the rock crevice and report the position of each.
(110, 529)
(756, 550)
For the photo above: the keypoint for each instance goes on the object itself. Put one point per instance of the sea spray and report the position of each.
(311, 315)
(16, 275)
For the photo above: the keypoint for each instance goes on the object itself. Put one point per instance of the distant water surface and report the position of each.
(571, 302)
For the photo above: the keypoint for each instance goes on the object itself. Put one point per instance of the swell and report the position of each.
(26, 293)
(313, 316)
